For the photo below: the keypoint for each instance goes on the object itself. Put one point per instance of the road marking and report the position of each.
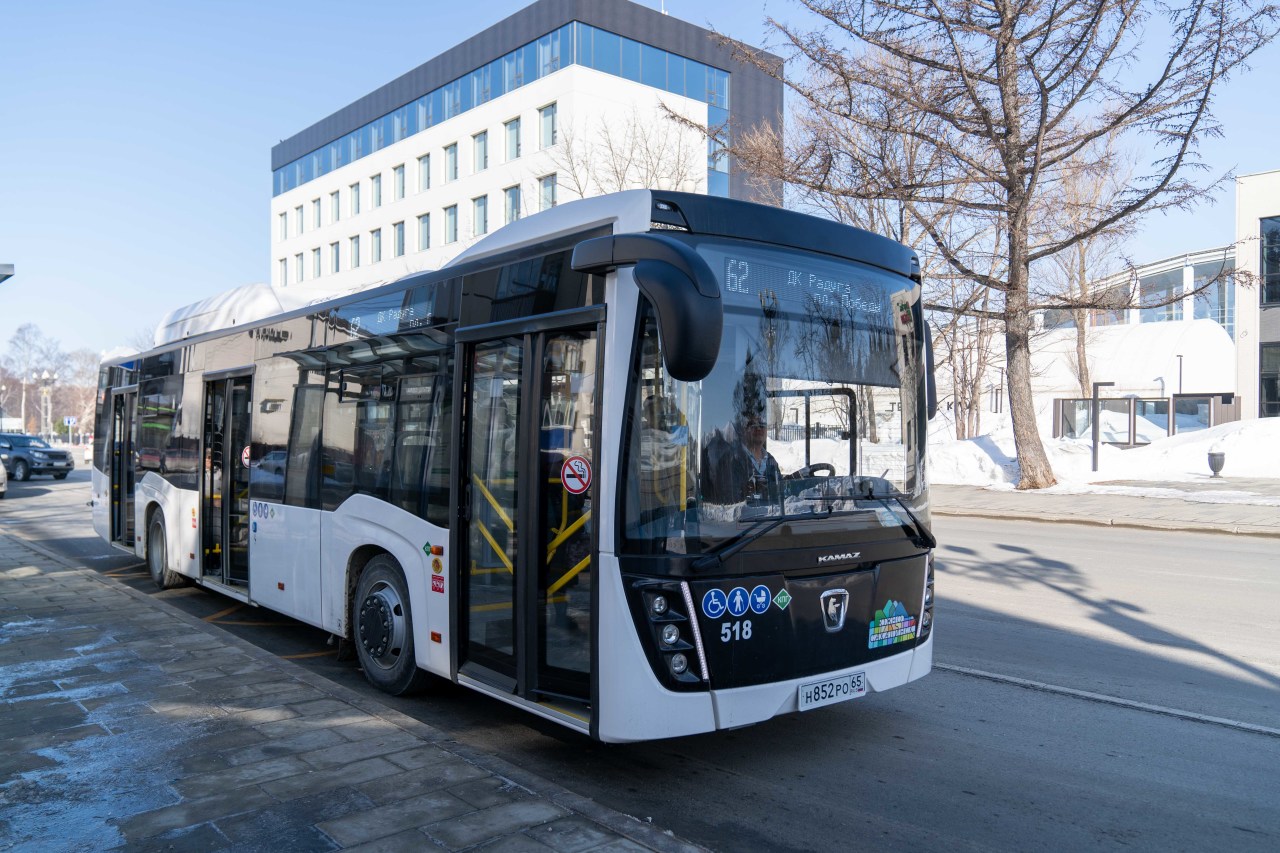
(323, 654)
(216, 616)
(1109, 700)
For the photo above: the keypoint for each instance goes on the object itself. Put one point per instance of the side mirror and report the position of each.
(930, 385)
(682, 288)
(689, 324)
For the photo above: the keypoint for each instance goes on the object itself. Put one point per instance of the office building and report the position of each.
(564, 99)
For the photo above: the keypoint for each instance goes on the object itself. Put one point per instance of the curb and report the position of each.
(625, 825)
(1126, 523)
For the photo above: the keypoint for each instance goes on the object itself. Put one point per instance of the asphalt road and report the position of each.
(1095, 688)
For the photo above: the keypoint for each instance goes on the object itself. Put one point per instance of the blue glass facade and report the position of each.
(575, 43)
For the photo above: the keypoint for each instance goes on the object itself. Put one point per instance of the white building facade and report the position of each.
(1258, 304)
(564, 99)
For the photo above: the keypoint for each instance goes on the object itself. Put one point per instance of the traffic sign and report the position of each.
(69, 420)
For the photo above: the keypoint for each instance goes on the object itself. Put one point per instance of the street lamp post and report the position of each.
(1179, 374)
(46, 380)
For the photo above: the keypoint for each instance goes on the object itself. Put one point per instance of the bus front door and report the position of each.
(527, 539)
(121, 443)
(224, 490)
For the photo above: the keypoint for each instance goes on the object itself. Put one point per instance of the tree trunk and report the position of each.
(1036, 471)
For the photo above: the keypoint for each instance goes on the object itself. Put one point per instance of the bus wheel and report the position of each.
(157, 563)
(384, 629)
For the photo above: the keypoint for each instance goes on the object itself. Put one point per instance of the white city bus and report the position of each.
(518, 472)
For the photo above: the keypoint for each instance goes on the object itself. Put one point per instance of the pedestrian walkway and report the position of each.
(127, 724)
(1234, 505)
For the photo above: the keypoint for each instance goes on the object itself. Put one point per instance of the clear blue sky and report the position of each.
(135, 139)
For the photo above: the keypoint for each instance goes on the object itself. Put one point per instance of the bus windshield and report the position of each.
(812, 410)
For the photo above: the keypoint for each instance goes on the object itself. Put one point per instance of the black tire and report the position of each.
(59, 476)
(157, 564)
(382, 629)
(21, 471)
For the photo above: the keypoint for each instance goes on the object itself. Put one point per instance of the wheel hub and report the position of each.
(381, 626)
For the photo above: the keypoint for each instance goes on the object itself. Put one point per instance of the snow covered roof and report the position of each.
(1140, 358)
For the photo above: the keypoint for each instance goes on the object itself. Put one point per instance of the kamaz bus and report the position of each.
(646, 465)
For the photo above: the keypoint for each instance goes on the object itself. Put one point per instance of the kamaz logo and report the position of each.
(838, 558)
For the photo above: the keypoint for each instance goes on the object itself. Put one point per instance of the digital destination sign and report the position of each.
(808, 286)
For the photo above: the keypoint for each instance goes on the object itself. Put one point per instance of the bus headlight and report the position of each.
(664, 611)
(670, 634)
(926, 609)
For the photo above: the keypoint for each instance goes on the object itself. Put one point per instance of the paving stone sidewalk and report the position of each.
(127, 724)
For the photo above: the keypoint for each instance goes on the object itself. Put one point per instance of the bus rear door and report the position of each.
(121, 444)
(526, 537)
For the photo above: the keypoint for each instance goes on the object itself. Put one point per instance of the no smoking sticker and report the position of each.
(575, 475)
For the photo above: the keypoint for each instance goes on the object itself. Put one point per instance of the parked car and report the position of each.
(27, 455)
(4, 482)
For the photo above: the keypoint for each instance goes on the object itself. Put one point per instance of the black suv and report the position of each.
(24, 455)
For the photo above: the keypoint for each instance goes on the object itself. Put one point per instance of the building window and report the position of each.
(1269, 362)
(512, 134)
(284, 272)
(335, 258)
(315, 262)
(397, 239)
(284, 226)
(480, 215)
(451, 224)
(335, 206)
(355, 251)
(1215, 289)
(547, 126)
(547, 192)
(1269, 231)
(424, 173)
(375, 190)
(424, 232)
(375, 246)
(511, 203)
(1165, 287)
(297, 268)
(355, 199)
(480, 151)
(451, 162)
(297, 219)
(315, 213)
(398, 177)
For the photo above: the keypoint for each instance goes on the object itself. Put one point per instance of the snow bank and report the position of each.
(1252, 449)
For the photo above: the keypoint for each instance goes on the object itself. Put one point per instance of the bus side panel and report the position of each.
(101, 504)
(284, 560)
(182, 533)
(362, 520)
(633, 704)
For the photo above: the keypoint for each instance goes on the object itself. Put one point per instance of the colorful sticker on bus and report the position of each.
(892, 624)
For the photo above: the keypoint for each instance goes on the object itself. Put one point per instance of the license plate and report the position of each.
(815, 694)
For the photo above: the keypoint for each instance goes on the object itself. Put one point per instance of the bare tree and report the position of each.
(614, 155)
(30, 353)
(81, 391)
(1000, 97)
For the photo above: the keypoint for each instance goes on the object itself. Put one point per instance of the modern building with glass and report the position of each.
(1203, 285)
(562, 100)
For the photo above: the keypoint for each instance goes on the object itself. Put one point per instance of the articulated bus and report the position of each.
(646, 465)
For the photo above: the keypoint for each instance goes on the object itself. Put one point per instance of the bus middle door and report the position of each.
(224, 490)
(527, 538)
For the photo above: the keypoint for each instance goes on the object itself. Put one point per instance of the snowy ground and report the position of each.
(1251, 448)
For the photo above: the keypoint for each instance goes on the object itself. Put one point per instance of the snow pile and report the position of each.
(1251, 448)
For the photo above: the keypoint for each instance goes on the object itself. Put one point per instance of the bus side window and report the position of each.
(301, 485)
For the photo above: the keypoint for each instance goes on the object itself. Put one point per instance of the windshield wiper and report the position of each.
(716, 558)
(924, 536)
